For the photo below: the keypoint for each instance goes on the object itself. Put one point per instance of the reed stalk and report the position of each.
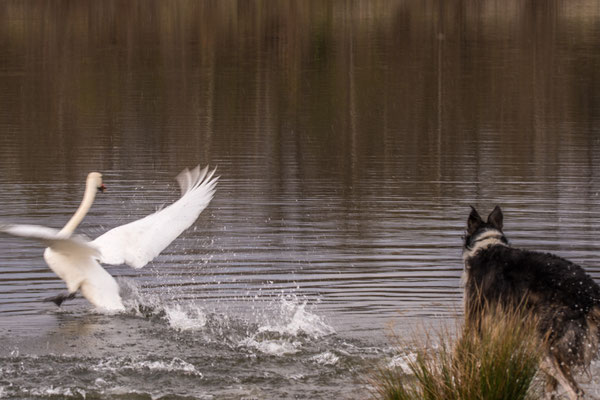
(496, 360)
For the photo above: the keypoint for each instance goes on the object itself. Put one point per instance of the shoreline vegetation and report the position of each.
(500, 361)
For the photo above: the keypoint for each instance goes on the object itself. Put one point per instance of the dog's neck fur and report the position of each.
(487, 239)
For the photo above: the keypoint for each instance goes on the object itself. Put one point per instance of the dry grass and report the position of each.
(497, 362)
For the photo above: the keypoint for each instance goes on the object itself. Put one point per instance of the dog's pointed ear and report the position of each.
(474, 221)
(495, 218)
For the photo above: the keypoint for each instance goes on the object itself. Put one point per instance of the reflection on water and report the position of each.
(351, 138)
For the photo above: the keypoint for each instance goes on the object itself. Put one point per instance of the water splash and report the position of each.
(188, 317)
(287, 329)
(277, 326)
(138, 302)
(285, 315)
(293, 318)
(403, 362)
(181, 316)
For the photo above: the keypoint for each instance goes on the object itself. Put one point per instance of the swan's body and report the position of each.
(77, 261)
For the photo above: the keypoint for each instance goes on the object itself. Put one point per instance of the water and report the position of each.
(351, 139)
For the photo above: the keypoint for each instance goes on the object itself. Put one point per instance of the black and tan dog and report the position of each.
(564, 299)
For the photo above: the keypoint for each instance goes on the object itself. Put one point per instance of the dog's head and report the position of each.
(482, 233)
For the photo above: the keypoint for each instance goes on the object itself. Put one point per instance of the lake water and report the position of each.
(350, 137)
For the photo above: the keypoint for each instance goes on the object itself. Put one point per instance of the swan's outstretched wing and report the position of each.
(73, 245)
(139, 242)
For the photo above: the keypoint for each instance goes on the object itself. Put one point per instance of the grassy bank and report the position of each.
(499, 363)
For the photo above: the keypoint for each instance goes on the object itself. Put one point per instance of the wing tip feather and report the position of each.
(195, 178)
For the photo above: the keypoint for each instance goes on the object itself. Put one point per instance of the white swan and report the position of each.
(76, 260)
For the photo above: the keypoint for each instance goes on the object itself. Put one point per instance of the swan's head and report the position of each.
(94, 180)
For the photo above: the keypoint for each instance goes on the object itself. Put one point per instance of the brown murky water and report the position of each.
(351, 138)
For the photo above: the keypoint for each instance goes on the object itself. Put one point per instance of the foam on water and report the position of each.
(326, 358)
(52, 391)
(274, 347)
(140, 365)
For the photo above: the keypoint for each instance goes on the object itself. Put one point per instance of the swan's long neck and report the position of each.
(84, 207)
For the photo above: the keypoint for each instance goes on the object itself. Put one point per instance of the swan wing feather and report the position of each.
(139, 242)
(71, 245)
(73, 259)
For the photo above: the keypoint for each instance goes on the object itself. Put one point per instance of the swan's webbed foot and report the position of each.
(58, 300)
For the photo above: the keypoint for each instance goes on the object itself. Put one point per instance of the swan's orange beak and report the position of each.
(101, 188)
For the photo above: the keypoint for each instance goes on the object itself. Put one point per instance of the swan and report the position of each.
(76, 259)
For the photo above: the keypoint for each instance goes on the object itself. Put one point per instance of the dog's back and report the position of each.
(564, 299)
(560, 293)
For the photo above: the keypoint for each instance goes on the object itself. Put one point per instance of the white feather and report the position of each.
(84, 273)
(75, 259)
(139, 242)
(52, 238)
